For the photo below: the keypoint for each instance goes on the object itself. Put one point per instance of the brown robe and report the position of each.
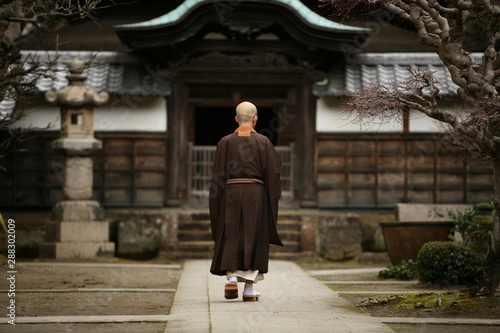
(243, 214)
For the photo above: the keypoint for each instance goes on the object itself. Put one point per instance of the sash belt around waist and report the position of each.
(244, 181)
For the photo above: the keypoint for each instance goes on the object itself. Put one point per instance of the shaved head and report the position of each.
(245, 112)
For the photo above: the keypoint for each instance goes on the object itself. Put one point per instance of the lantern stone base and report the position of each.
(84, 231)
(77, 210)
(76, 250)
(77, 231)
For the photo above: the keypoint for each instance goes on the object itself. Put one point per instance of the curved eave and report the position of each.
(187, 19)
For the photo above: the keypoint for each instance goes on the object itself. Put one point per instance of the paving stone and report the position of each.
(291, 301)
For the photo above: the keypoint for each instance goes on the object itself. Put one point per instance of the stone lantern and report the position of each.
(77, 229)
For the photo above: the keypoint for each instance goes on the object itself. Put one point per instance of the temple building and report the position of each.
(176, 71)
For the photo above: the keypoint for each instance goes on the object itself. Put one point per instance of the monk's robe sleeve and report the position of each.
(273, 188)
(217, 186)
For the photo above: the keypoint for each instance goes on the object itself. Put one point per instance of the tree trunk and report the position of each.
(490, 284)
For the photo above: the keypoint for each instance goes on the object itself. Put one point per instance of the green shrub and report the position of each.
(449, 263)
(479, 239)
(405, 271)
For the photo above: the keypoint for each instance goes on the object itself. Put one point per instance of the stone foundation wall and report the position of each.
(148, 233)
(338, 236)
(143, 234)
(30, 232)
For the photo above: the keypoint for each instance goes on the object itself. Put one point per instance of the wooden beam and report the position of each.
(307, 146)
(177, 150)
(279, 46)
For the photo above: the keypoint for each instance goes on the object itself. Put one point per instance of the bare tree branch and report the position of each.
(444, 27)
(20, 20)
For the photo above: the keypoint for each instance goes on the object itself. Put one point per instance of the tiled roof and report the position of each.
(296, 5)
(365, 69)
(124, 74)
(115, 73)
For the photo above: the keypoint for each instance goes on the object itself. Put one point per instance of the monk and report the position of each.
(243, 203)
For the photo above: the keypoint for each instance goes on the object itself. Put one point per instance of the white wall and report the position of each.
(422, 123)
(144, 114)
(419, 122)
(331, 119)
(40, 114)
(133, 113)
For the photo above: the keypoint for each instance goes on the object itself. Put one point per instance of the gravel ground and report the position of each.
(63, 290)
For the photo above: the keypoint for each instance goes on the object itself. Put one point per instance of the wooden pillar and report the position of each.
(177, 148)
(306, 146)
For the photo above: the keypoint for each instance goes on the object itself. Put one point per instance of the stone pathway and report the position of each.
(292, 301)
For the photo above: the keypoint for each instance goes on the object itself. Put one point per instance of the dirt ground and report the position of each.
(54, 291)
(74, 276)
(86, 328)
(63, 291)
(444, 329)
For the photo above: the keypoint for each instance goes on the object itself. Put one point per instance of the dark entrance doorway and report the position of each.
(213, 123)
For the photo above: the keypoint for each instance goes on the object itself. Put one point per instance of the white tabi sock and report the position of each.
(248, 289)
(233, 279)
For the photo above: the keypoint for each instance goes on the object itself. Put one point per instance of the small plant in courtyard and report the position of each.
(463, 223)
(405, 271)
(479, 238)
(474, 229)
(449, 263)
(488, 205)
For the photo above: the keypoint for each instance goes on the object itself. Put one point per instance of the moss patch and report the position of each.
(451, 304)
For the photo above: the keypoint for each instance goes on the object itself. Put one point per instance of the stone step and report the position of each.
(288, 225)
(194, 235)
(206, 235)
(272, 255)
(196, 246)
(290, 255)
(194, 255)
(289, 235)
(288, 246)
(192, 226)
(282, 224)
(289, 217)
(193, 217)
(208, 246)
(206, 217)
(205, 225)
(195, 238)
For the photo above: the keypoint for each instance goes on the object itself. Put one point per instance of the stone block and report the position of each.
(86, 231)
(426, 212)
(341, 243)
(372, 236)
(140, 233)
(76, 250)
(339, 236)
(78, 177)
(169, 234)
(308, 233)
(78, 145)
(77, 210)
